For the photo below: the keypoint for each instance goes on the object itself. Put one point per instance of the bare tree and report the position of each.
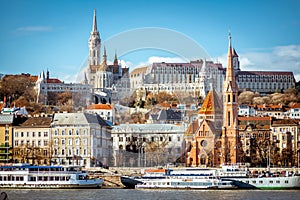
(32, 154)
(156, 150)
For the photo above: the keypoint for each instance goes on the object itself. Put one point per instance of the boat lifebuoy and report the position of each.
(3, 196)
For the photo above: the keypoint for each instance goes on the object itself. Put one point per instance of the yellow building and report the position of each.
(6, 122)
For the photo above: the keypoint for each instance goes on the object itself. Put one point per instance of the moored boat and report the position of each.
(180, 179)
(32, 176)
(227, 177)
(245, 180)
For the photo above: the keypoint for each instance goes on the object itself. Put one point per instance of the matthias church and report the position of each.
(109, 82)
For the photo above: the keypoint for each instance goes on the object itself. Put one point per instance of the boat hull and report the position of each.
(267, 183)
(46, 185)
(129, 182)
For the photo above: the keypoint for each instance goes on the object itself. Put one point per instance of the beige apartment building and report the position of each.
(32, 141)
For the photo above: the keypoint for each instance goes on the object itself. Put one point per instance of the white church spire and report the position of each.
(95, 22)
(94, 44)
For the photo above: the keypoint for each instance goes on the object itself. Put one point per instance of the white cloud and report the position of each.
(153, 59)
(35, 29)
(279, 58)
(158, 59)
(125, 63)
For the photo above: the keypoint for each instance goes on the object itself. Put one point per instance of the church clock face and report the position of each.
(203, 143)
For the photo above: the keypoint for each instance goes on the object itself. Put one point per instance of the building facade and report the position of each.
(144, 145)
(265, 82)
(45, 85)
(285, 139)
(203, 137)
(255, 135)
(184, 77)
(81, 139)
(32, 141)
(6, 139)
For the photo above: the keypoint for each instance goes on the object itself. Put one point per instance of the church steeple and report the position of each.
(230, 140)
(104, 58)
(95, 22)
(229, 71)
(94, 44)
(116, 59)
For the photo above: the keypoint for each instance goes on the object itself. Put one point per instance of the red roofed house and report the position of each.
(105, 111)
(294, 111)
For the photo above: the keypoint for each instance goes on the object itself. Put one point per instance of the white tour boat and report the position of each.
(245, 180)
(32, 176)
(182, 179)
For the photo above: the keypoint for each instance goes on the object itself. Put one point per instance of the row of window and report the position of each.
(70, 132)
(266, 76)
(270, 181)
(254, 135)
(56, 88)
(261, 85)
(11, 178)
(152, 139)
(31, 134)
(69, 152)
(32, 143)
(70, 141)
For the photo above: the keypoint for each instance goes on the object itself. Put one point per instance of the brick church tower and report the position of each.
(230, 139)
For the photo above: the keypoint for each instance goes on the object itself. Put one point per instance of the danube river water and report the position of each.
(115, 194)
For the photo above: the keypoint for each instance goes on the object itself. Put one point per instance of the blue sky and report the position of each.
(53, 34)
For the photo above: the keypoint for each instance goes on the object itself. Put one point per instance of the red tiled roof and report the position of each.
(295, 105)
(100, 106)
(53, 80)
(34, 78)
(139, 70)
(265, 73)
(254, 118)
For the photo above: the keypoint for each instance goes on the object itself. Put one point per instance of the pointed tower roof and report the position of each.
(211, 104)
(229, 70)
(43, 75)
(230, 82)
(104, 51)
(234, 54)
(85, 81)
(103, 66)
(95, 22)
(116, 59)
